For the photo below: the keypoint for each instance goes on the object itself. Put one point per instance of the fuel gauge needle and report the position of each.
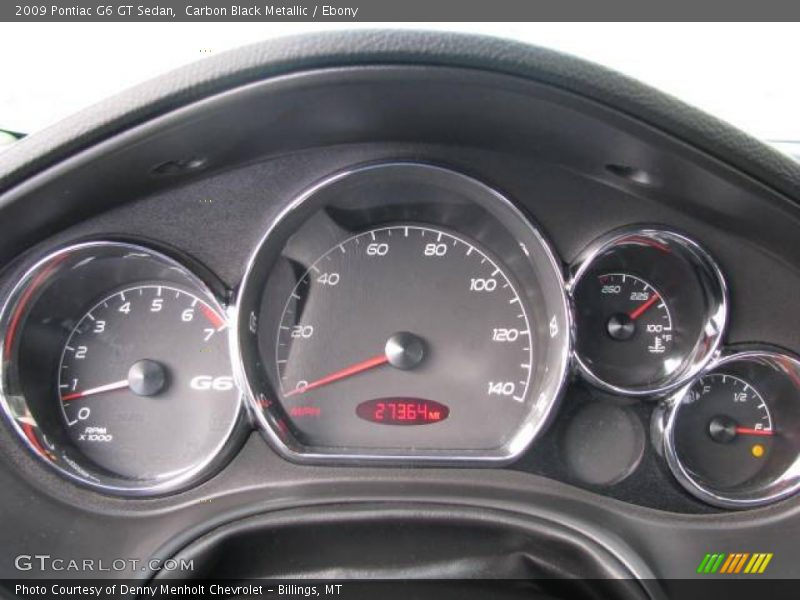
(749, 431)
(117, 385)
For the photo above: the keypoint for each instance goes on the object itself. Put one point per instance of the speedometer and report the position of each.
(408, 312)
(403, 312)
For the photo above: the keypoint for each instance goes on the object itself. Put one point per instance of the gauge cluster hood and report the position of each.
(199, 162)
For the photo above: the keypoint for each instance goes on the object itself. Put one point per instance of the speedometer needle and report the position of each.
(117, 385)
(370, 363)
(642, 308)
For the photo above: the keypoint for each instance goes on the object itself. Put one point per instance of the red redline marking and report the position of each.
(749, 431)
(639, 311)
(212, 316)
(370, 363)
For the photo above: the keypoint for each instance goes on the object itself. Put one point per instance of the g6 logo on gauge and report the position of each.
(203, 383)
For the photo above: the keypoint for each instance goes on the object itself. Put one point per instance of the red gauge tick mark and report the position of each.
(213, 318)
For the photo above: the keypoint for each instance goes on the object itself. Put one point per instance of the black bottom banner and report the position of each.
(461, 589)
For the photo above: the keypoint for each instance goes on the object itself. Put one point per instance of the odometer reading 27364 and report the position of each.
(402, 319)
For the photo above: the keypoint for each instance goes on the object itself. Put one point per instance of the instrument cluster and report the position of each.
(397, 313)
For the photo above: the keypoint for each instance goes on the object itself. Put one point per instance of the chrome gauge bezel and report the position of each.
(715, 319)
(15, 407)
(664, 422)
(273, 424)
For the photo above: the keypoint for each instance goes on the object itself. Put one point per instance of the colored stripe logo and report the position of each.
(734, 563)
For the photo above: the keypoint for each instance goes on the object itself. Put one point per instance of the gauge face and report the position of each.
(725, 431)
(731, 438)
(403, 313)
(142, 366)
(117, 359)
(411, 313)
(626, 321)
(650, 310)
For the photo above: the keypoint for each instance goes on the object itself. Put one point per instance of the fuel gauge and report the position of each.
(725, 430)
(731, 438)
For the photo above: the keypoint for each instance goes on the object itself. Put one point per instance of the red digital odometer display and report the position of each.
(402, 411)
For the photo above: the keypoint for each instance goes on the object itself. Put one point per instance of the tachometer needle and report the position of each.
(370, 363)
(642, 308)
(117, 385)
(749, 431)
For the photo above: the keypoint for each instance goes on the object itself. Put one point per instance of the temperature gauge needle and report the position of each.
(370, 363)
(642, 308)
(749, 431)
(117, 385)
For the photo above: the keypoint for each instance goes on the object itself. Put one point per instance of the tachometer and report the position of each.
(116, 369)
(141, 364)
(403, 312)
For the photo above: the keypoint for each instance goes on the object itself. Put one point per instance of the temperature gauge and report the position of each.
(650, 308)
(630, 326)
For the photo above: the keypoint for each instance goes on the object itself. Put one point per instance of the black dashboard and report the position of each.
(400, 289)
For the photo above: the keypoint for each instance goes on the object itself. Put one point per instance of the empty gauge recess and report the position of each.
(732, 437)
(116, 369)
(650, 309)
